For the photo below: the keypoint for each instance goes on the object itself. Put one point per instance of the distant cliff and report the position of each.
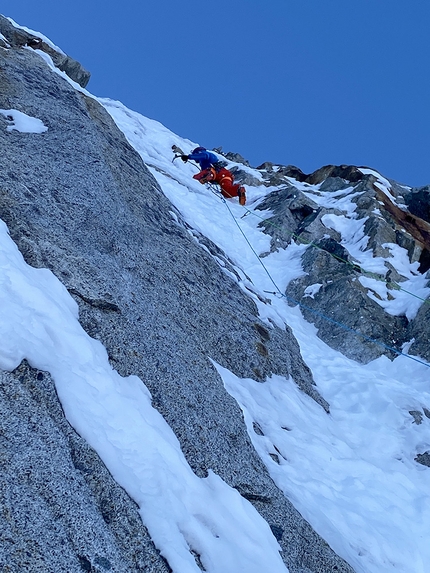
(394, 215)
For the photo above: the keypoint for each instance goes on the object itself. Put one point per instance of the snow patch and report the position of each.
(22, 122)
(312, 290)
(340, 200)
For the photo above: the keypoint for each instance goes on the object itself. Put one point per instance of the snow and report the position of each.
(351, 473)
(381, 179)
(38, 35)
(22, 122)
(312, 290)
(382, 184)
(341, 199)
(48, 60)
(39, 322)
(406, 301)
(355, 241)
(410, 292)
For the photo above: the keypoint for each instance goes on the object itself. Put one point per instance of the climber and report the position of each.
(212, 171)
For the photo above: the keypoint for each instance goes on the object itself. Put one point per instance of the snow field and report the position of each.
(351, 473)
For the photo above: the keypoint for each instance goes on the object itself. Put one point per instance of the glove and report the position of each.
(184, 158)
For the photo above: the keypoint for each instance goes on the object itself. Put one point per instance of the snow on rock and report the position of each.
(22, 122)
(36, 34)
(20, 36)
(183, 512)
(347, 472)
(146, 288)
(312, 290)
(352, 473)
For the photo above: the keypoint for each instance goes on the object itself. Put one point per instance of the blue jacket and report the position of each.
(204, 158)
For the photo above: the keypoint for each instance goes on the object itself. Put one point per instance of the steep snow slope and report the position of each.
(352, 474)
(114, 414)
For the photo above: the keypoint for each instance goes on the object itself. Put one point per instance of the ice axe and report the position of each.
(177, 152)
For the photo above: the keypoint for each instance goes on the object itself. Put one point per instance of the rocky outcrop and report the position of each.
(78, 200)
(346, 317)
(423, 459)
(418, 331)
(19, 38)
(417, 227)
(276, 173)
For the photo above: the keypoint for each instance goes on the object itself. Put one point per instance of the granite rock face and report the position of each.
(78, 200)
(61, 509)
(17, 37)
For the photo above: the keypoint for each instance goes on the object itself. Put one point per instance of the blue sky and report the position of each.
(299, 82)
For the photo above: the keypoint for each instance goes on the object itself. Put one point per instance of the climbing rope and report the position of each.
(301, 305)
(354, 266)
(392, 285)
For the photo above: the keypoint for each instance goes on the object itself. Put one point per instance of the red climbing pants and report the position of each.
(225, 180)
